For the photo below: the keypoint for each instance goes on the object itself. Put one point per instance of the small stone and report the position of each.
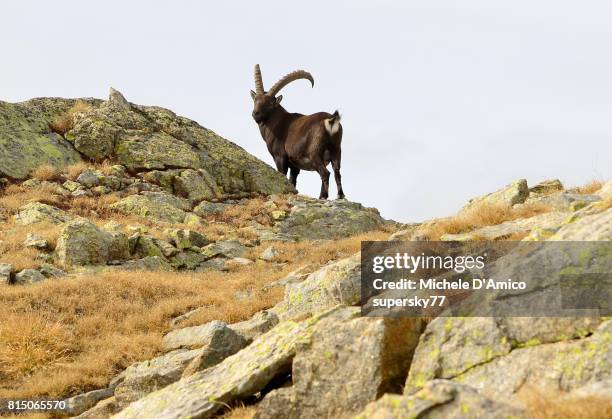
(118, 170)
(71, 185)
(206, 208)
(166, 248)
(33, 240)
(31, 183)
(100, 190)
(279, 215)
(547, 187)
(51, 271)
(269, 254)
(5, 273)
(186, 239)
(149, 263)
(81, 192)
(177, 320)
(227, 249)
(243, 294)
(193, 220)
(88, 179)
(28, 276)
(214, 334)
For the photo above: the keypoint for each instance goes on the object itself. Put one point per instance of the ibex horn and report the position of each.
(259, 89)
(296, 75)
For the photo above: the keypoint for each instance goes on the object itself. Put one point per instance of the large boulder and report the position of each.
(344, 366)
(26, 141)
(557, 367)
(156, 206)
(441, 399)
(156, 150)
(333, 284)
(196, 185)
(512, 194)
(85, 401)
(36, 212)
(315, 219)
(257, 325)
(214, 335)
(512, 351)
(82, 243)
(564, 201)
(237, 377)
(28, 276)
(594, 227)
(225, 249)
(146, 377)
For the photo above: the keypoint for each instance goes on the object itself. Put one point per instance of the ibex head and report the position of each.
(266, 102)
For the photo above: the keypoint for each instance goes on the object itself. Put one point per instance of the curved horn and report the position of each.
(295, 75)
(259, 89)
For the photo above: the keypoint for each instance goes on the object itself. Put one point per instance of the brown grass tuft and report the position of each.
(240, 412)
(589, 188)
(96, 206)
(74, 170)
(481, 215)
(65, 122)
(46, 172)
(548, 405)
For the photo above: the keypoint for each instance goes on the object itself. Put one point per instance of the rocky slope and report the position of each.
(163, 194)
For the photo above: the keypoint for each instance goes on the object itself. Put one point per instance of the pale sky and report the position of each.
(441, 100)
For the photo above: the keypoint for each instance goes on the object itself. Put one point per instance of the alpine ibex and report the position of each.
(295, 141)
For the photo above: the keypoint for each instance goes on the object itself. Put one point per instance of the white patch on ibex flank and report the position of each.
(331, 125)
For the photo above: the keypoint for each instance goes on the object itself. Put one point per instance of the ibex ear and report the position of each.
(278, 99)
(253, 94)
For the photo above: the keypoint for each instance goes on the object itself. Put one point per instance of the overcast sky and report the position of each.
(441, 100)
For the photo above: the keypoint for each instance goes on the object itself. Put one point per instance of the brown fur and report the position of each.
(299, 142)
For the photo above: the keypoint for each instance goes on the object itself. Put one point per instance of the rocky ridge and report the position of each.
(319, 358)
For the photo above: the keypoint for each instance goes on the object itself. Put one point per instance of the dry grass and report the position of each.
(589, 188)
(16, 196)
(480, 215)
(74, 170)
(46, 172)
(95, 206)
(240, 412)
(242, 215)
(65, 122)
(75, 334)
(547, 405)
